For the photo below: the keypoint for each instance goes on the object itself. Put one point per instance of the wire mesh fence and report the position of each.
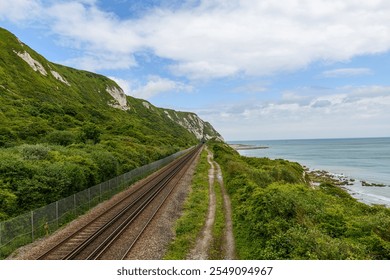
(26, 228)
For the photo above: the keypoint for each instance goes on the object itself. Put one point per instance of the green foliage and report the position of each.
(106, 163)
(35, 152)
(90, 132)
(63, 138)
(56, 139)
(277, 215)
(6, 136)
(7, 201)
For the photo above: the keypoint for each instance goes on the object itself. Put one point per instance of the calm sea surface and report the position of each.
(363, 159)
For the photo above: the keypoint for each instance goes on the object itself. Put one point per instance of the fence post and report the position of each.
(32, 225)
(57, 213)
(74, 204)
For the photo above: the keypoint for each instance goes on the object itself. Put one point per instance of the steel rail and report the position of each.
(164, 198)
(116, 234)
(100, 226)
(153, 193)
(144, 202)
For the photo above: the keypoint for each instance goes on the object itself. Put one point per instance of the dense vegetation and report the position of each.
(278, 215)
(58, 138)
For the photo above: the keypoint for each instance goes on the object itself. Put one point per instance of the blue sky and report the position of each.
(254, 69)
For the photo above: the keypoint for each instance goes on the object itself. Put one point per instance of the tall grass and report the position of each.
(189, 225)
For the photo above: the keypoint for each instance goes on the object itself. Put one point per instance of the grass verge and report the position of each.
(191, 222)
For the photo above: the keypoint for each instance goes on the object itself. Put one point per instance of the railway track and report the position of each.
(97, 239)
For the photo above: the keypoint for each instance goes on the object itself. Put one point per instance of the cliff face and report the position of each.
(32, 82)
(190, 121)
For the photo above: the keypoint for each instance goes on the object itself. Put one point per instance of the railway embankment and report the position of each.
(141, 202)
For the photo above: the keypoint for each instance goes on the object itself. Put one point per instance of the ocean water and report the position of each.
(363, 159)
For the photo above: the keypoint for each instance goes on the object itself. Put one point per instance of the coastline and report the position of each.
(362, 191)
(358, 165)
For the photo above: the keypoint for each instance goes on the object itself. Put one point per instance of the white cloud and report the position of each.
(20, 10)
(221, 38)
(346, 72)
(251, 88)
(264, 37)
(102, 61)
(348, 112)
(157, 85)
(203, 70)
(154, 86)
(93, 29)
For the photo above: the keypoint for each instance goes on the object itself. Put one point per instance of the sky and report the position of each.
(259, 69)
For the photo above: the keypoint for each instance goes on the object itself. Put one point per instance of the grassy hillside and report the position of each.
(63, 130)
(277, 215)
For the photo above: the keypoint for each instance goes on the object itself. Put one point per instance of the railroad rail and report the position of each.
(95, 239)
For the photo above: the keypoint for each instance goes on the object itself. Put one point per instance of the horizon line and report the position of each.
(330, 138)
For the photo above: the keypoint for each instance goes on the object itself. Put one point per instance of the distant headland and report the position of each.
(246, 147)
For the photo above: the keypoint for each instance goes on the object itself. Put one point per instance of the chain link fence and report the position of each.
(26, 228)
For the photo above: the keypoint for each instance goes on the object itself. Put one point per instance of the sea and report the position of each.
(361, 159)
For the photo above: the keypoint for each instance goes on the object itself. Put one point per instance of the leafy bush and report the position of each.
(90, 132)
(35, 152)
(106, 163)
(277, 215)
(7, 201)
(63, 138)
(6, 136)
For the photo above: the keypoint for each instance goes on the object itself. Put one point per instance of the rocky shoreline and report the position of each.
(354, 187)
(321, 176)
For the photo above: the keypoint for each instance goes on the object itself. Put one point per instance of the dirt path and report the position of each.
(201, 249)
(229, 245)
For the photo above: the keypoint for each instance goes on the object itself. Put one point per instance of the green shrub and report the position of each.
(6, 136)
(107, 164)
(90, 132)
(8, 202)
(63, 138)
(277, 215)
(35, 152)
